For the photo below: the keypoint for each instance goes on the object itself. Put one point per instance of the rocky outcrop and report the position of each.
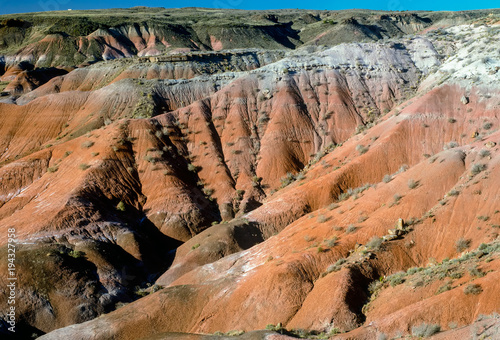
(192, 65)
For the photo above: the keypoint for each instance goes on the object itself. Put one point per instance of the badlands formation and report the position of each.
(223, 174)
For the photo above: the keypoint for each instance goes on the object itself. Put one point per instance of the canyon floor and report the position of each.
(204, 174)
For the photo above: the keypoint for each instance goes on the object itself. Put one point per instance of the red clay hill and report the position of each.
(270, 175)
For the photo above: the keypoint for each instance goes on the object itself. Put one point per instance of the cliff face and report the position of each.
(328, 189)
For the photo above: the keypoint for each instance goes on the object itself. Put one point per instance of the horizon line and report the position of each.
(250, 10)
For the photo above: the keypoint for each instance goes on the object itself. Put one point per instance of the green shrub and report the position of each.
(450, 145)
(87, 144)
(141, 291)
(456, 274)
(475, 271)
(343, 196)
(350, 229)
(322, 219)
(287, 179)
(477, 168)
(461, 244)
(487, 125)
(120, 206)
(308, 238)
(412, 270)
(333, 206)
(484, 153)
(396, 278)
(444, 288)
(425, 330)
(340, 262)
(278, 328)
(374, 286)
(337, 266)
(193, 168)
(329, 21)
(361, 149)
(397, 198)
(412, 184)
(235, 333)
(256, 181)
(374, 243)
(331, 242)
(473, 289)
(208, 191)
(76, 254)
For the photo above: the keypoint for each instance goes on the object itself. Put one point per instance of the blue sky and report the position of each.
(10, 6)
